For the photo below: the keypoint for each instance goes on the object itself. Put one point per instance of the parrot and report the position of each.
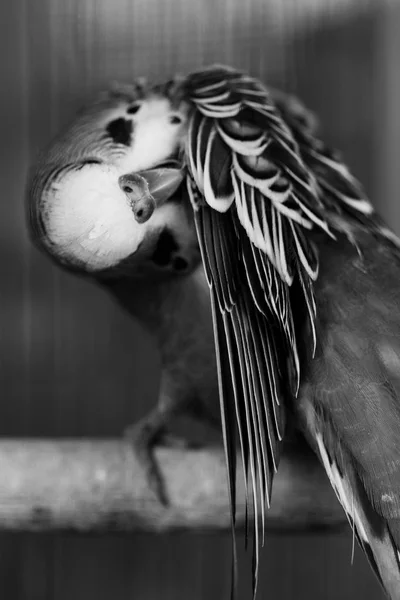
(301, 271)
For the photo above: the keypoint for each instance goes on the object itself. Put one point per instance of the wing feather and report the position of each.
(262, 193)
(247, 363)
(236, 171)
(341, 190)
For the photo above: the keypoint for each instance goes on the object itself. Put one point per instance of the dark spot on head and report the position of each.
(127, 189)
(175, 120)
(179, 263)
(133, 108)
(120, 130)
(166, 247)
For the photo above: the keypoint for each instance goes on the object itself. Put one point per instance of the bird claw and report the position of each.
(143, 439)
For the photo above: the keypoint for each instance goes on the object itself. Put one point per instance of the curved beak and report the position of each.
(136, 189)
(150, 189)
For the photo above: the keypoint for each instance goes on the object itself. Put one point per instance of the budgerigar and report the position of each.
(303, 275)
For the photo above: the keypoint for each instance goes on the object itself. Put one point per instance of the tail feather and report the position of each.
(377, 536)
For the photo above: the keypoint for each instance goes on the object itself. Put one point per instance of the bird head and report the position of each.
(101, 195)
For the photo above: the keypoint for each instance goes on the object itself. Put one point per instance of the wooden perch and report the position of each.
(98, 485)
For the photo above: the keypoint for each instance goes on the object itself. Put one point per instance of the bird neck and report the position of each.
(165, 308)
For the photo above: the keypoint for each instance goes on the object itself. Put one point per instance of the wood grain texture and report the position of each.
(70, 361)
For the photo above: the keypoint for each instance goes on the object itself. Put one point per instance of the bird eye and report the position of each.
(175, 120)
(133, 108)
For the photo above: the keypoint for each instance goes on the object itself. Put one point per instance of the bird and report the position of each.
(301, 272)
(90, 225)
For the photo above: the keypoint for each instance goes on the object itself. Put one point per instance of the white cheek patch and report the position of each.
(88, 218)
(98, 230)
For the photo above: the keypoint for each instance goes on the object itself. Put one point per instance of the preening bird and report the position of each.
(303, 275)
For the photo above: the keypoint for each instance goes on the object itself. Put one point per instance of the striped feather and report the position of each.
(268, 182)
(246, 355)
(340, 189)
(341, 193)
(260, 196)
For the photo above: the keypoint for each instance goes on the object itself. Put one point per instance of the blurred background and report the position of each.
(72, 364)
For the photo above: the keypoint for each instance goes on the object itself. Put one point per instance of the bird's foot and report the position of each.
(144, 436)
(143, 439)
